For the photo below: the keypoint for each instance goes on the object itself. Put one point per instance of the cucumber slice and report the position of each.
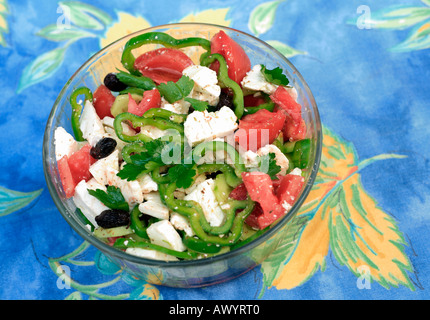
(120, 104)
(221, 188)
(112, 232)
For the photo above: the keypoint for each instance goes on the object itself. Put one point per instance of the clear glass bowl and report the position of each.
(195, 273)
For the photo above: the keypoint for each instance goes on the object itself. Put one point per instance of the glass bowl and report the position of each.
(190, 273)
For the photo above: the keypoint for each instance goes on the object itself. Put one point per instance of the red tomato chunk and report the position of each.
(102, 101)
(151, 99)
(272, 197)
(163, 65)
(237, 60)
(259, 129)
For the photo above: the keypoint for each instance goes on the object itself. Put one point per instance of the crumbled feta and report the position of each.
(280, 157)
(150, 254)
(91, 125)
(296, 171)
(90, 206)
(164, 234)
(286, 206)
(181, 223)
(65, 144)
(219, 156)
(154, 207)
(126, 129)
(131, 190)
(203, 126)
(105, 169)
(147, 184)
(254, 80)
(152, 132)
(251, 159)
(206, 86)
(180, 106)
(204, 195)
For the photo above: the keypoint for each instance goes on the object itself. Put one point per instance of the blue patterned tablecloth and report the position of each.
(365, 227)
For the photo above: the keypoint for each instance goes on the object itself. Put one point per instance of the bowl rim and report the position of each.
(116, 253)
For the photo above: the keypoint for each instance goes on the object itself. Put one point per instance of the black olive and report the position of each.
(103, 148)
(225, 100)
(113, 218)
(213, 175)
(112, 83)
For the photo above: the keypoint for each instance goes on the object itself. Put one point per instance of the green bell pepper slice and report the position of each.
(127, 58)
(223, 77)
(77, 109)
(136, 121)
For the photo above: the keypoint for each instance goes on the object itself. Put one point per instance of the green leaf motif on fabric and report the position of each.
(11, 201)
(286, 50)
(402, 18)
(77, 20)
(418, 39)
(98, 291)
(262, 17)
(41, 68)
(4, 27)
(339, 216)
(84, 15)
(53, 32)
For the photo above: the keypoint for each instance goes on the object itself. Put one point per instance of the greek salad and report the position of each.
(171, 159)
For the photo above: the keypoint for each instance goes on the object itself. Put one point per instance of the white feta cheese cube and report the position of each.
(204, 195)
(196, 128)
(296, 171)
(164, 234)
(150, 254)
(179, 222)
(154, 207)
(223, 122)
(254, 80)
(147, 184)
(206, 86)
(104, 170)
(203, 126)
(280, 157)
(64, 142)
(219, 156)
(152, 132)
(131, 190)
(180, 106)
(91, 125)
(252, 159)
(90, 206)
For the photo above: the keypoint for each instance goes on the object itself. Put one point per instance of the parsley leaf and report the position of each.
(173, 92)
(267, 164)
(274, 76)
(111, 198)
(154, 156)
(183, 174)
(197, 104)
